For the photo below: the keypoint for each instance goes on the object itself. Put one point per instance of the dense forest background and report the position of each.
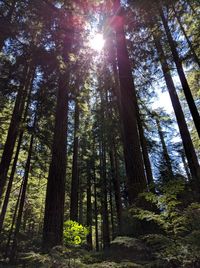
(99, 143)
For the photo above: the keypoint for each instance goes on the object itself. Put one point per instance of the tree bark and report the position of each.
(133, 156)
(96, 212)
(183, 129)
(75, 176)
(89, 206)
(116, 184)
(22, 200)
(55, 195)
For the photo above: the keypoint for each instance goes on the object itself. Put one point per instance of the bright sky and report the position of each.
(97, 42)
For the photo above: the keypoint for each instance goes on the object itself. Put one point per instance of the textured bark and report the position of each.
(14, 127)
(133, 156)
(184, 132)
(55, 195)
(75, 177)
(184, 82)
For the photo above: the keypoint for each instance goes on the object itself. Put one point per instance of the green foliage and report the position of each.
(74, 233)
(178, 244)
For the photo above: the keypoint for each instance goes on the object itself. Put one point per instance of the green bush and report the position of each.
(74, 233)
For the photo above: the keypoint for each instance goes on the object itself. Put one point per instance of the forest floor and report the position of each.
(124, 253)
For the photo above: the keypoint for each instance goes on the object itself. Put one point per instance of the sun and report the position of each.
(97, 42)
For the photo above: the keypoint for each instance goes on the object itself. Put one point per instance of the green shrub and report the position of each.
(74, 233)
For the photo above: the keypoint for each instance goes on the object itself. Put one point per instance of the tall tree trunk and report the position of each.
(23, 195)
(111, 211)
(186, 37)
(9, 187)
(133, 156)
(164, 147)
(13, 223)
(75, 176)
(145, 154)
(116, 184)
(103, 176)
(55, 195)
(89, 207)
(184, 82)
(184, 132)
(96, 212)
(14, 127)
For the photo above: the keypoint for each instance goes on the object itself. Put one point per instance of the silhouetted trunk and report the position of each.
(75, 176)
(133, 156)
(96, 212)
(22, 199)
(184, 132)
(164, 148)
(103, 177)
(55, 195)
(113, 233)
(14, 127)
(13, 223)
(89, 207)
(145, 154)
(186, 37)
(116, 184)
(184, 82)
(185, 165)
(80, 213)
(9, 187)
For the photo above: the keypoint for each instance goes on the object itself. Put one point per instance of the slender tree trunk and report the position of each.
(55, 195)
(22, 200)
(96, 212)
(186, 37)
(80, 214)
(133, 156)
(185, 165)
(111, 210)
(184, 132)
(75, 177)
(14, 128)
(145, 154)
(164, 147)
(184, 82)
(103, 176)
(9, 187)
(89, 207)
(13, 223)
(116, 184)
